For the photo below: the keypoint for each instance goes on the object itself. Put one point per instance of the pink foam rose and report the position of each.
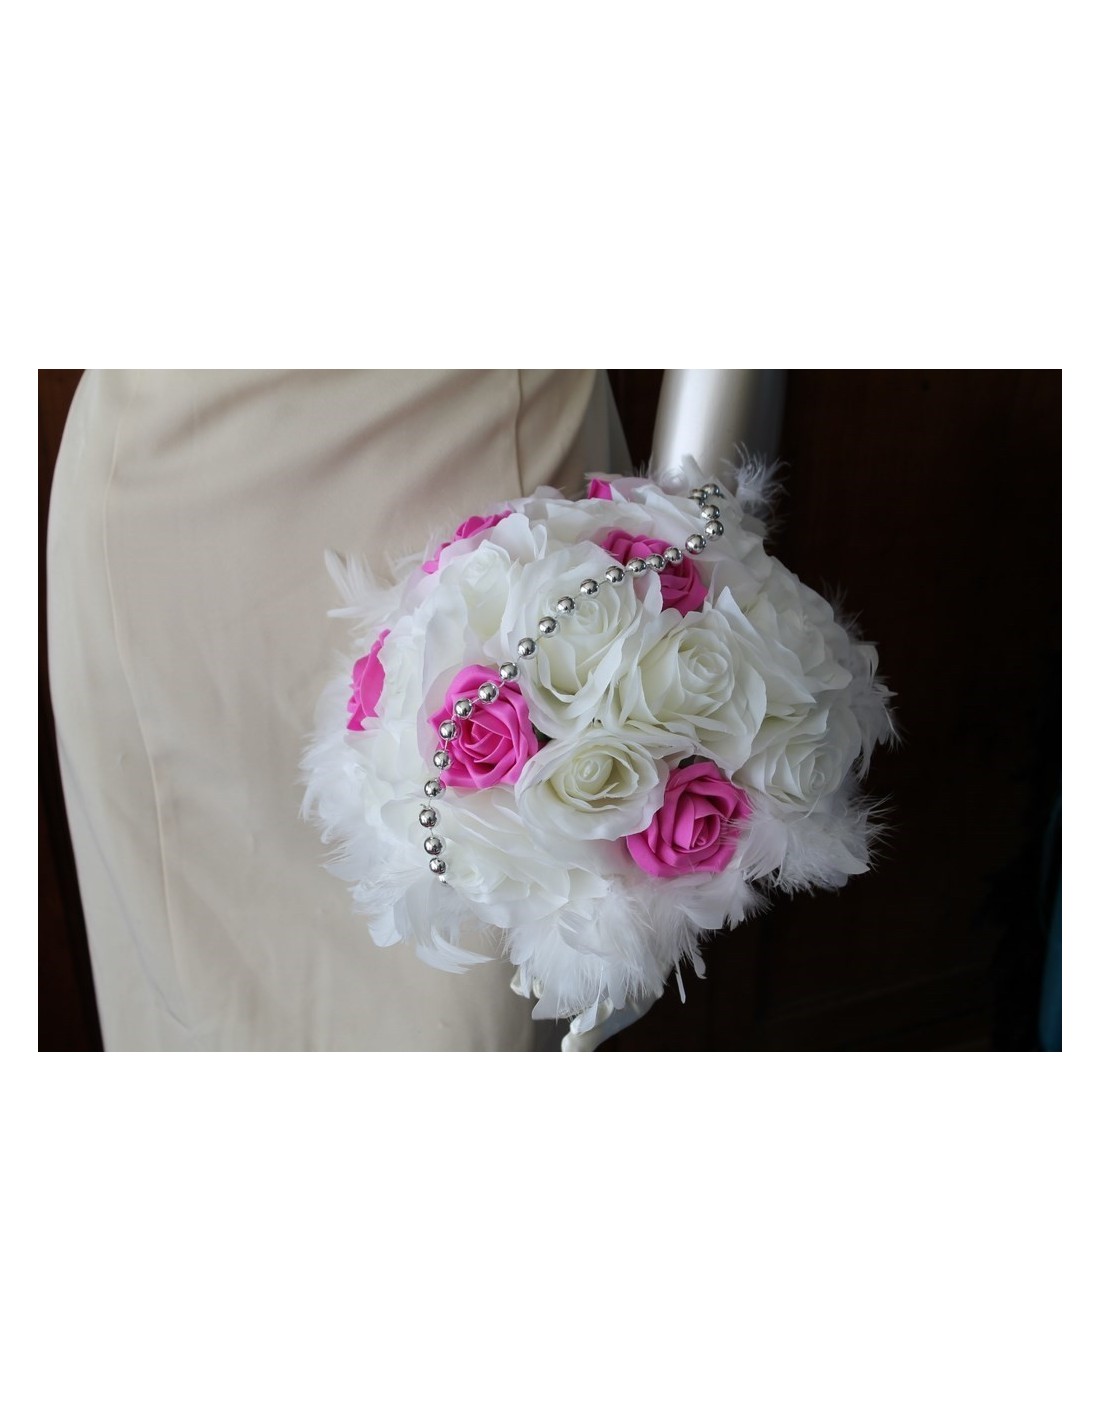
(681, 585)
(599, 489)
(697, 827)
(475, 524)
(496, 742)
(368, 677)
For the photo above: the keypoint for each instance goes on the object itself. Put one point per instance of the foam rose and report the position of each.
(800, 762)
(681, 586)
(697, 676)
(594, 786)
(696, 829)
(495, 743)
(367, 680)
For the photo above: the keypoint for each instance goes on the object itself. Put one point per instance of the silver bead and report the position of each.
(433, 845)
(441, 760)
(547, 626)
(696, 543)
(709, 511)
(655, 563)
(508, 671)
(590, 587)
(448, 730)
(712, 491)
(429, 818)
(714, 529)
(634, 566)
(674, 555)
(526, 647)
(698, 495)
(437, 866)
(566, 606)
(488, 691)
(463, 707)
(433, 789)
(614, 575)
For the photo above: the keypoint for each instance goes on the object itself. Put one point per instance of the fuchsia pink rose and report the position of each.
(697, 827)
(599, 489)
(475, 524)
(681, 586)
(496, 742)
(368, 677)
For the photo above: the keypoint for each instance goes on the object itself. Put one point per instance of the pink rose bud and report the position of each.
(495, 742)
(368, 677)
(681, 586)
(475, 524)
(599, 489)
(697, 827)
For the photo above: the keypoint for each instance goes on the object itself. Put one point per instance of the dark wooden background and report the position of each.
(931, 502)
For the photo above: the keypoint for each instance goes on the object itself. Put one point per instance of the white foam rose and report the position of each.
(456, 616)
(594, 518)
(596, 786)
(794, 619)
(481, 579)
(567, 684)
(401, 658)
(801, 760)
(699, 676)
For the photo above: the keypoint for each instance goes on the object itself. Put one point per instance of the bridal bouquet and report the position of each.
(584, 733)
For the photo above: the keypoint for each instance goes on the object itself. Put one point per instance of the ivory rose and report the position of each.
(594, 786)
(801, 761)
(694, 676)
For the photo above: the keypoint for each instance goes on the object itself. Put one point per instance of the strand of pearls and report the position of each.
(548, 626)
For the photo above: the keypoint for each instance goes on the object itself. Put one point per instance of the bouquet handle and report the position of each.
(705, 414)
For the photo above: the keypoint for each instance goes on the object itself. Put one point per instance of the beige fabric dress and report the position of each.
(188, 644)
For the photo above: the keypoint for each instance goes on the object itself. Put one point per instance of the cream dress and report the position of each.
(188, 636)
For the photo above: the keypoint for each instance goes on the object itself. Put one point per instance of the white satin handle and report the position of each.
(707, 413)
(614, 1022)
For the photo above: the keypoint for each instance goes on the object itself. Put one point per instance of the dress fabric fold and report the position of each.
(188, 643)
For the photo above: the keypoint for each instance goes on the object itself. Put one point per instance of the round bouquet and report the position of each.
(581, 734)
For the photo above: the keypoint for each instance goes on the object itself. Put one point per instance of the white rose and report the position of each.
(799, 761)
(699, 676)
(482, 579)
(595, 786)
(662, 515)
(402, 661)
(456, 617)
(568, 682)
(795, 620)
